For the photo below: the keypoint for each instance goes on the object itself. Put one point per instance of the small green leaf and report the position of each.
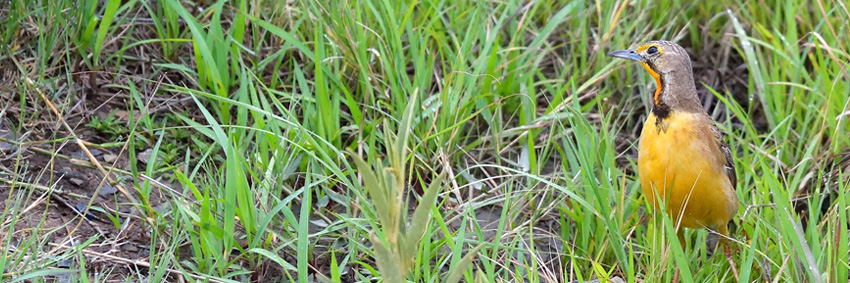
(457, 271)
(422, 214)
(108, 18)
(274, 257)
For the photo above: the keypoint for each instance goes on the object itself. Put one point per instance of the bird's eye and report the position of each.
(652, 50)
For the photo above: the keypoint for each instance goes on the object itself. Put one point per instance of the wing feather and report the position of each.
(729, 165)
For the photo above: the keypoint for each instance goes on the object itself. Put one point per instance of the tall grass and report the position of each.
(312, 135)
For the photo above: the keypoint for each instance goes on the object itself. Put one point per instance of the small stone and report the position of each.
(79, 154)
(76, 181)
(130, 248)
(144, 156)
(64, 264)
(107, 190)
(66, 170)
(163, 208)
(109, 157)
(96, 152)
(6, 134)
(80, 207)
(125, 211)
(63, 277)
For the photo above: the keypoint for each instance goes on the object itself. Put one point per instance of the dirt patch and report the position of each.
(52, 184)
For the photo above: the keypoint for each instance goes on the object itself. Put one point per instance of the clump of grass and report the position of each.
(396, 243)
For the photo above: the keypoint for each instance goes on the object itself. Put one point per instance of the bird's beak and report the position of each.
(626, 54)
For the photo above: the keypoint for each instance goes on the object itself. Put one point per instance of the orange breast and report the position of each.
(681, 165)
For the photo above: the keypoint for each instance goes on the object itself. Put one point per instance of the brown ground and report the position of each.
(51, 178)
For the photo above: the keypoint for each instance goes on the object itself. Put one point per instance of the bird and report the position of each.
(683, 160)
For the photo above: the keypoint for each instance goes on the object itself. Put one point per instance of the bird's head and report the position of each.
(658, 57)
(670, 66)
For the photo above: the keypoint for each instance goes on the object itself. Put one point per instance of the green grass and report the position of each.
(427, 141)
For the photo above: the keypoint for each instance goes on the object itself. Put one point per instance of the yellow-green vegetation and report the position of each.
(417, 141)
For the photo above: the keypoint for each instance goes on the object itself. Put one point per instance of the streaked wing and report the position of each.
(729, 165)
